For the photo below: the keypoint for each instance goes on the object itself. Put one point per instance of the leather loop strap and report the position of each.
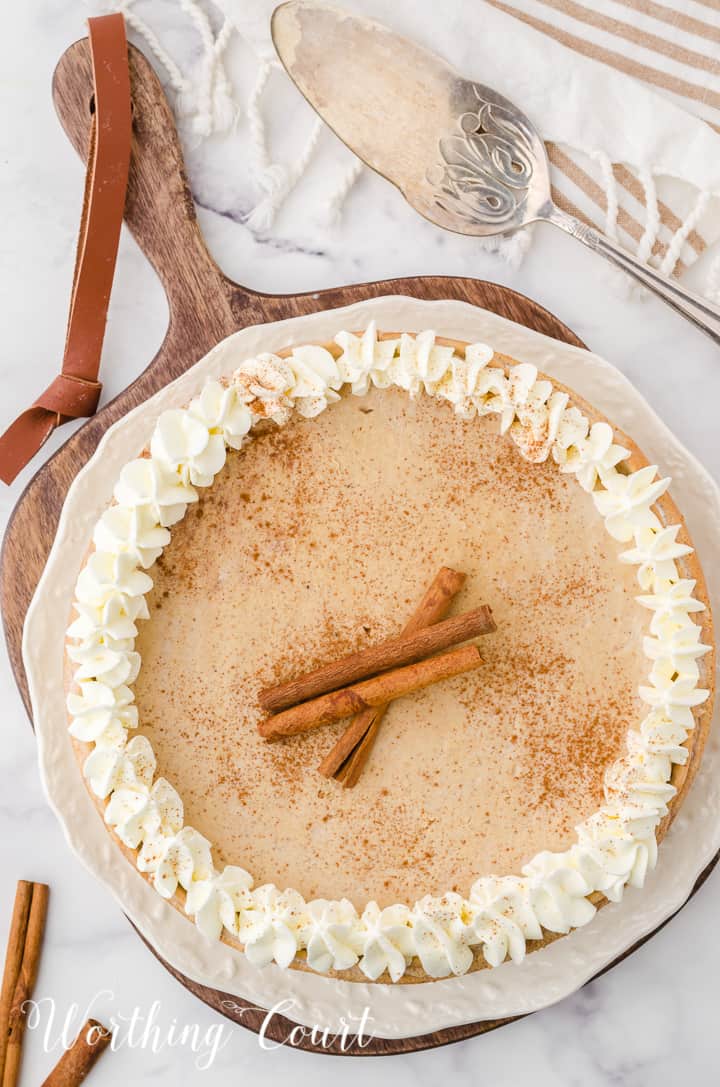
(76, 390)
(71, 396)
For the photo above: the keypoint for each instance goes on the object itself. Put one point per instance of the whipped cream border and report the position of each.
(614, 847)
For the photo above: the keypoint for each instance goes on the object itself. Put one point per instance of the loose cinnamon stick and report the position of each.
(77, 1061)
(364, 728)
(392, 653)
(13, 959)
(21, 966)
(370, 692)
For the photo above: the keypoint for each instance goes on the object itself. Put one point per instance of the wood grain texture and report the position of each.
(205, 306)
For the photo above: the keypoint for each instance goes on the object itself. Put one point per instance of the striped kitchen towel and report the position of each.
(626, 94)
(673, 47)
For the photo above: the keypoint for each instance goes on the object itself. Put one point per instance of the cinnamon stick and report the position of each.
(370, 692)
(13, 959)
(21, 966)
(349, 773)
(349, 740)
(363, 729)
(77, 1061)
(392, 653)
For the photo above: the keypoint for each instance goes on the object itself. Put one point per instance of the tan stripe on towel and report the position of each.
(595, 192)
(631, 184)
(675, 18)
(615, 60)
(567, 205)
(634, 34)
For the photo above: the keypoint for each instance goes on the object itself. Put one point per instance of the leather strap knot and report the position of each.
(70, 396)
(75, 392)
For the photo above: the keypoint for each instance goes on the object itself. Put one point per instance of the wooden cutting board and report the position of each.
(205, 306)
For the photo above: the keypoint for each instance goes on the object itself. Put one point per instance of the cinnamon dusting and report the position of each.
(500, 763)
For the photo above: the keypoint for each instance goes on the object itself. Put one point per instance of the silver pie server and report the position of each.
(464, 156)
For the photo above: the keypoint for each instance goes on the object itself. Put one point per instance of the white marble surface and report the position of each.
(652, 1019)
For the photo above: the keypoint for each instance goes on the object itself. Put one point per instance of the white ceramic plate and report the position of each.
(397, 1011)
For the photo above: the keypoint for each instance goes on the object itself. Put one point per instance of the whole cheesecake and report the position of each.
(294, 513)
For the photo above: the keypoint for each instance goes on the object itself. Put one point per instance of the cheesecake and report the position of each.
(292, 514)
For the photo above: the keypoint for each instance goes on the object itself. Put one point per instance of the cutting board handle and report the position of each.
(159, 209)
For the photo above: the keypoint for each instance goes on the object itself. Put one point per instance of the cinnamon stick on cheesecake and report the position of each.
(377, 691)
(356, 742)
(392, 653)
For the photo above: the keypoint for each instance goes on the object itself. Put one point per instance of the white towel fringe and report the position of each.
(213, 112)
(337, 198)
(672, 256)
(511, 248)
(174, 77)
(280, 181)
(611, 196)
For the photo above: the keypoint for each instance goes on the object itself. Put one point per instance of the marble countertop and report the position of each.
(651, 1019)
